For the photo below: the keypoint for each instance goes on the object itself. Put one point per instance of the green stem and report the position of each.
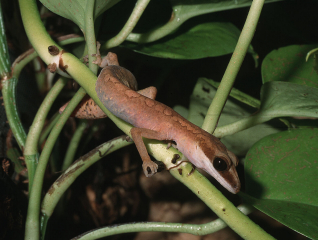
(14, 155)
(129, 26)
(9, 91)
(73, 145)
(91, 131)
(10, 105)
(194, 229)
(4, 52)
(40, 41)
(219, 204)
(158, 33)
(238, 95)
(202, 187)
(59, 187)
(234, 66)
(31, 145)
(32, 228)
(180, 14)
(241, 125)
(49, 127)
(90, 35)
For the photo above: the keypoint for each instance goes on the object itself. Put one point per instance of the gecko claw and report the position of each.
(150, 168)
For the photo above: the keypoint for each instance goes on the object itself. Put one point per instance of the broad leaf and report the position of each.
(191, 8)
(204, 40)
(284, 99)
(284, 167)
(75, 10)
(233, 111)
(300, 217)
(289, 64)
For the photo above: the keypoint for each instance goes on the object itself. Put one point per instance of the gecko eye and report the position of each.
(219, 164)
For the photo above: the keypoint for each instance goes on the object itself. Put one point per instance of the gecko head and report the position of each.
(220, 163)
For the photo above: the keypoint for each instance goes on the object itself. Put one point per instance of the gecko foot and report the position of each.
(150, 168)
(98, 60)
(85, 59)
(128, 139)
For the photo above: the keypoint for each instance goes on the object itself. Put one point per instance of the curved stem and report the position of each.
(219, 204)
(9, 100)
(32, 228)
(59, 187)
(241, 125)
(234, 66)
(157, 33)
(31, 146)
(73, 145)
(194, 229)
(4, 51)
(9, 91)
(41, 40)
(129, 26)
(49, 127)
(202, 187)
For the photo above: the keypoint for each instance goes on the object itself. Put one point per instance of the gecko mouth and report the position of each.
(228, 178)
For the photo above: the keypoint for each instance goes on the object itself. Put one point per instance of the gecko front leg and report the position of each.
(148, 166)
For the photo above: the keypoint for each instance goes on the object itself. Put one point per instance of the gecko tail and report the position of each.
(86, 109)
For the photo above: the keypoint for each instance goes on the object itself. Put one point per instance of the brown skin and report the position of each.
(154, 120)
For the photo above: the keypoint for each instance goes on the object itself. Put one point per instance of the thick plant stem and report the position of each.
(202, 187)
(220, 205)
(129, 26)
(9, 100)
(9, 84)
(31, 144)
(233, 68)
(32, 228)
(41, 40)
(90, 35)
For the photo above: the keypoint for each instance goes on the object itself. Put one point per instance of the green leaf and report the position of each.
(300, 217)
(204, 40)
(284, 167)
(284, 99)
(313, 52)
(233, 111)
(279, 99)
(192, 8)
(238, 95)
(75, 10)
(289, 64)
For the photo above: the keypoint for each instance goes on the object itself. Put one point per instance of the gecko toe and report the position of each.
(150, 168)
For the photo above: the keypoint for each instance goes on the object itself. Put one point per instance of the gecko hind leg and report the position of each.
(149, 167)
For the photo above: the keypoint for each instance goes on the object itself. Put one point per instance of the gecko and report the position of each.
(116, 88)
